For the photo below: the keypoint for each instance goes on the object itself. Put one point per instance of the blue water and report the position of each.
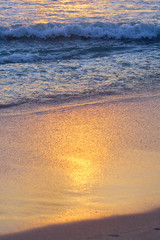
(61, 50)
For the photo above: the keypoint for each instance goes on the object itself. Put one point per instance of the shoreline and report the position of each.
(125, 227)
(51, 107)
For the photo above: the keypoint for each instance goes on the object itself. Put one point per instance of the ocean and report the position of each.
(53, 51)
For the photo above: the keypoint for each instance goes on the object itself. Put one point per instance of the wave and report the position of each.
(106, 30)
(59, 98)
(31, 58)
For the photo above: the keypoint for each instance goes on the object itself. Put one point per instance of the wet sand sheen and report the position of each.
(131, 227)
(79, 162)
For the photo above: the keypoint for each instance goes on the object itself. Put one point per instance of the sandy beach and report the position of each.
(131, 227)
(86, 170)
(79, 120)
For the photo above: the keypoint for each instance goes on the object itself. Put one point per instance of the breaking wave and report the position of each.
(88, 30)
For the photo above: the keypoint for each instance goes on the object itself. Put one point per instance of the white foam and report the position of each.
(14, 58)
(96, 30)
(31, 57)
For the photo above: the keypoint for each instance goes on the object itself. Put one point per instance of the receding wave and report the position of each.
(58, 98)
(86, 30)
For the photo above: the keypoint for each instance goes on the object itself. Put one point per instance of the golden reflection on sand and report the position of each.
(79, 163)
(75, 146)
(76, 151)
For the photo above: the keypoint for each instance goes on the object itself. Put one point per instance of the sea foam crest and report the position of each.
(90, 30)
(31, 57)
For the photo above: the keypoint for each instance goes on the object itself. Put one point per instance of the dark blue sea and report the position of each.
(52, 51)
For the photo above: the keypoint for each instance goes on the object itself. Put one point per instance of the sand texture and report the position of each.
(131, 227)
(63, 166)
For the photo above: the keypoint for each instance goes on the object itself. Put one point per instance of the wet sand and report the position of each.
(132, 227)
(62, 166)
